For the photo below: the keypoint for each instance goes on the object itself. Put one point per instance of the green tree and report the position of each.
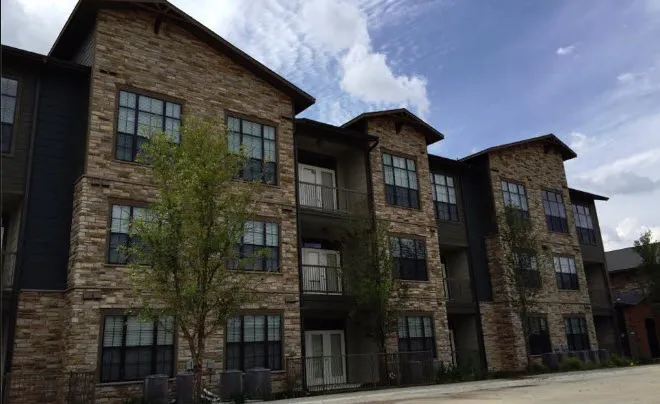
(367, 271)
(649, 270)
(186, 265)
(520, 260)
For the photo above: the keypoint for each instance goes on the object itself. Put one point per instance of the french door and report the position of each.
(317, 187)
(325, 358)
(321, 271)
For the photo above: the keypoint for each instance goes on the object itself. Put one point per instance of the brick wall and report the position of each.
(427, 297)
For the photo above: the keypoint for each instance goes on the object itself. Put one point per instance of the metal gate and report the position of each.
(44, 387)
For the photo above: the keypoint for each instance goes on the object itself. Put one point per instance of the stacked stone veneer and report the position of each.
(538, 168)
(424, 297)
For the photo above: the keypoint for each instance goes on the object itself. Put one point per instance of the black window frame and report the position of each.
(127, 238)
(269, 347)
(248, 173)
(529, 268)
(270, 262)
(576, 341)
(412, 267)
(7, 128)
(538, 335)
(156, 352)
(406, 343)
(555, 211)
(514, 195)
(584, 224)
(566, 275)
(166, 115)
(396, 195)
(445, 211)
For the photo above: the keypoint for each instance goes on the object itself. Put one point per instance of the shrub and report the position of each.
(536, 367)
(571, 364)
(621, 361)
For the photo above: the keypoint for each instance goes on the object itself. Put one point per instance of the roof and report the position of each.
(622, 260)
(83, 17)
(445, 162)
(566, 152)
(401, 115)
(335, 130)
(38, 58)
(629, 298)
(586, 195)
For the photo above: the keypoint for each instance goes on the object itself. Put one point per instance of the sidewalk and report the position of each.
(451, 390)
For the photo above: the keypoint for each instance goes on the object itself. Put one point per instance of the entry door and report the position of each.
(652, 337)
(321, 271)
(325, 358)
(317, 187)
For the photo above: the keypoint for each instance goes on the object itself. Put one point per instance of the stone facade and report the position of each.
(538, 169)
(424, 297)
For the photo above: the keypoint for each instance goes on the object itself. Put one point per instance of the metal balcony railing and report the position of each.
(332, 199)
(322, 279)
(458, 290)
(8, 265)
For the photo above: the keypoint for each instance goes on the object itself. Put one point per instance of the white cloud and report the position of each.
(580, 142)
(563, 51)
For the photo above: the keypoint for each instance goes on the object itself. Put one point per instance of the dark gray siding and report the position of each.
(85, 55)
(14, 164)
(453, 233)
(479, 213)
(58, 153)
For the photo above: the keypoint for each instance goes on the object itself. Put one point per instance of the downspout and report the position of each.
(299, 245)
(18, 269)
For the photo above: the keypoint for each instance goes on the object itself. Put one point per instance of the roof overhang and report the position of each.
(10, 53)
(549, 140)
(586, 195)
(400, 116)
(315, 128)
(83, 18)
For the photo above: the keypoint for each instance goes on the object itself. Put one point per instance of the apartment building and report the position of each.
(123, 67)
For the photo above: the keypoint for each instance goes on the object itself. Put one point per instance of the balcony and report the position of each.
(332, 200)
(458, 290)
(322, 279)
(8, 265)
(600, 298)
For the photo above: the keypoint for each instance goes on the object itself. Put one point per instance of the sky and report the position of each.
(482, 72)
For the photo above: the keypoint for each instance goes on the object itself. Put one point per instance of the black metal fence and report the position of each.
(332, 199)
(458, 290)
(322, 279)
(359, 371)
(46, 387)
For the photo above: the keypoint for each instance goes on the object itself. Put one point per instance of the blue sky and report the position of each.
(483, 72)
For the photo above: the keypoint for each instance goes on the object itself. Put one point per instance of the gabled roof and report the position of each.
(84, 14)
(10, 53)
(622, 260)
(586, 195)
(550, 139)
(401, 115)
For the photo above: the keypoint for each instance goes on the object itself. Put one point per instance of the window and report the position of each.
(9, 92)
(409, 259)
(566, 273)
(555, 212)
(400, 181)
(584, 224)
(539, 337)
(258, 143)
(261, 240)
(133, 349)
(254, 342)
(515, 197)
(123, 217)
(140, 117)
(528, 267)
(577, 336)
(416, 334)
(444, 195)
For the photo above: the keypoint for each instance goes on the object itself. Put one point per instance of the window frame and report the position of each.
(584, 339)
(544, 334)
(116, 202)
(586, 235)
(562, 276)
(409, 190)
(421, 316)
(265, 314)
(453, 187)
(125, 313)
(555, 224)
(17, 98)
(263, 122)
(524, 212)
(265, 221)
(534, 279)
(144, 93)
(397, 271)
